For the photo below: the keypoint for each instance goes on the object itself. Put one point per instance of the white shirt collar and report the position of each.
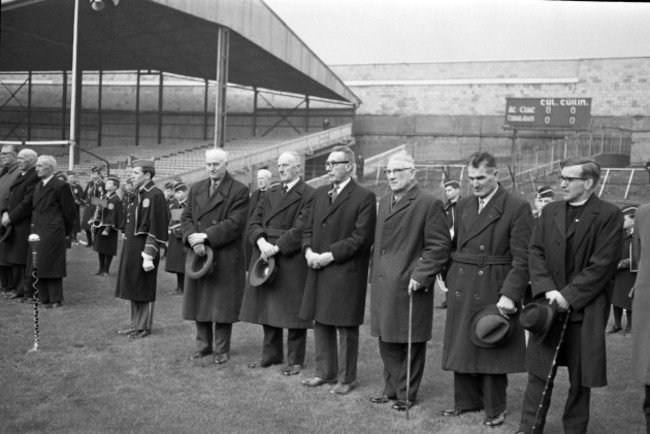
(291, 184)
(342, 185)
(46, 180)
(487, 198)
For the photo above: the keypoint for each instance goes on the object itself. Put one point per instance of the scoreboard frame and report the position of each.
(548, 113)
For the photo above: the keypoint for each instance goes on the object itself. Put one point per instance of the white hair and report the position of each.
(28, 154)
(403, 157)
(264, 172)
(47, 160)
(216, 153)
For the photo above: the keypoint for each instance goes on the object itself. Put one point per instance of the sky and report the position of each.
(418, 31)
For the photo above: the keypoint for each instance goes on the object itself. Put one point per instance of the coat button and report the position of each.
(457, 293)
(475, 296)
(481, 248)
(383, 252)
(460, 270)
(480, 272)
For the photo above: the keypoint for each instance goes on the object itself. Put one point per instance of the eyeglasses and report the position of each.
(330, 164)
(396, 171)
(570, 179)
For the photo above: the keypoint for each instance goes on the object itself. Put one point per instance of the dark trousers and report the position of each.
(481, 391)
(394, 356)
(646, 408)
(332, 362)
(576, 408)
(142, 315)
(104, 262)
(50, 290)
(23, 283)
(213, 337)
(89, 238)
(273, 349)
(180, 281)
(7, 278)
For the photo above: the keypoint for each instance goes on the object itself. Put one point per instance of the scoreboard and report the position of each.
(548, 113)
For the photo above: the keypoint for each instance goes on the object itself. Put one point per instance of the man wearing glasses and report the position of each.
(489, 267)
(336, 243)
(412, 245)
(574, 253)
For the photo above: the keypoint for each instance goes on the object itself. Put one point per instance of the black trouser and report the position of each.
(618, 317)
(646, 408)
(213, 337)
(273, 349)
(180, 281)
(576, 408)
(6, 278)
(394, 356)
(332, 362)
(23, 283)
(50, 290)
(142, 315)
(104, 262)
(481, 391)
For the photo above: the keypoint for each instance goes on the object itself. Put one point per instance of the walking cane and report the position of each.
(34, 240)
(408, 355)
(551, 374)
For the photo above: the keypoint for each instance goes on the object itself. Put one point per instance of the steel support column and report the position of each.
(306, 113)
(255, 94)
(205, 109)
(223, 45)
(160, 106)
(29, 106)
(64, 105)
(137, 109)
(99, 108)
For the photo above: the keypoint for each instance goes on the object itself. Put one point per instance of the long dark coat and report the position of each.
(93, 189)
(281, 220)
(336, 295)
(77, 194)
(641, 302)
(502, 229)
(145, 231)
(176, 250)
(20, 205)
(624, 278)
(8, 176)
(597, 240)
(52, 218)
(111, 218)
(216, 297)
(411, 242)
(255, 199)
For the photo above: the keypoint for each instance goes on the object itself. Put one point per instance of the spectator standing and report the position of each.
(8, 175)
(175, 262)
(94, 189)
(625, 276)
(110, 222)
(264, 177)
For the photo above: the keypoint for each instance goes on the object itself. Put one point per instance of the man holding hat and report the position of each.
(213, 223)
(574, 251)
(145, 231)
(412, 245)
(489, 267)
(94, 188)
(110, 222)
(275, 229)
(175, 262)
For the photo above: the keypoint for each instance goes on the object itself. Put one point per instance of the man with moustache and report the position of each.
(276, 228)
(489, 267)
(574, 254)
(215, 217)
(412, 244)
(8, 175)
(18, 215)
(336, 244)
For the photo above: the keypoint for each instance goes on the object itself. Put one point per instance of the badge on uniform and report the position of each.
(111, 206)
(145, 203)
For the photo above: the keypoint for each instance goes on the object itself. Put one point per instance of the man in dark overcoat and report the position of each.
(276, 229)
(18, 215)
(110, 222)
(264, 177)
(412, 245)
(489, 267)
(94, 188)
(452, 194)
(215, 217)
(52, 218)
(8, 175)
(336, 243)
(176, 253)
(574, 252)
(144, 232)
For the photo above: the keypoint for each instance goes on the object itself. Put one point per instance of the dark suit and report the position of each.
(52, 218)
(411, 242)
(579, 259)
(280, 219)
(256, 197)
(490, 260)
(335, 295)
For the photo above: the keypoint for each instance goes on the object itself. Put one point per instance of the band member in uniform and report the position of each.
(78, 195)
(94, 188)
(145, 231)
(215, 217)
(175, 262)
(107, 226)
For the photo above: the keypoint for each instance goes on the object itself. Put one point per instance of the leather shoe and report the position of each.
(222, 358)
(614, 329)
(494, 422)
(26, 300)
(292, 370)
(381, 399)
(13, 295)
(263, 364)
(140, 334)
(200, 354)
(46, 305)
(98, 273)
(343, 388)
(315, 382)
(452, 412)
(403, 405)
(127, 332)
(56, 305)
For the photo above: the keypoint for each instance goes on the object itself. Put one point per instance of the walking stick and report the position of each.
(408, 355)
(34, 240)
(551, 374)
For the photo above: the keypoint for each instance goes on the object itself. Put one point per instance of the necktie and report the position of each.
(285, 189)
(333, 193)
(213, 187)
(481, 205)
(393, 202)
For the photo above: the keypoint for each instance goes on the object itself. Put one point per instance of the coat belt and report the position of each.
(481, 260)
(274, 233)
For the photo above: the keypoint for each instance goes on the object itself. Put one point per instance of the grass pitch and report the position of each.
(87, 379)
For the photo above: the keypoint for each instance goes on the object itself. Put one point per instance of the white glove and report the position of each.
(147, 265)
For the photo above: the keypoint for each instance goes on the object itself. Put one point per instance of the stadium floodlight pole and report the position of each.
(73, 96)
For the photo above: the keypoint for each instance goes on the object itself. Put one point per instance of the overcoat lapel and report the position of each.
(203, 195)
(284, 202)
(493, 210)
(40, 192)
(343, 196)
(401, 204)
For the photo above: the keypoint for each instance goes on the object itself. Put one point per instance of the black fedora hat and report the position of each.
(489, 328)
(198, 266)
(263, 271)
(537, 317)
(5, 232)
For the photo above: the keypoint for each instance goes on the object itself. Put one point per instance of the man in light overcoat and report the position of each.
(412, 245)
